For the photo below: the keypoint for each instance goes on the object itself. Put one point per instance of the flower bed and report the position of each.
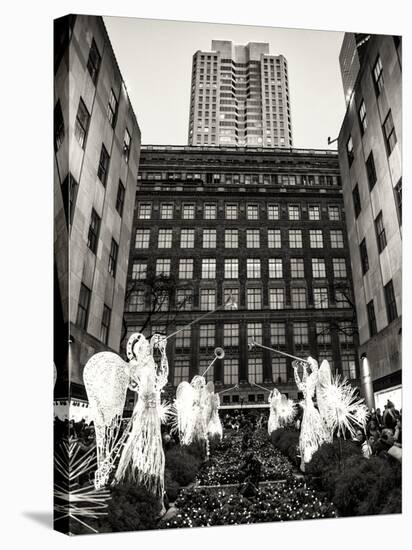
(291, 500)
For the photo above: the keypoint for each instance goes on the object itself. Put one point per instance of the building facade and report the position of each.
(263, 228)
(350, 58)
(240, 96)
(97, 145)
(370, 157)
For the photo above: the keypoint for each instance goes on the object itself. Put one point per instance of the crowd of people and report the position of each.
(383, 433)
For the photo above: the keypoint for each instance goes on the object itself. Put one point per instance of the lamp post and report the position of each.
(366, 382)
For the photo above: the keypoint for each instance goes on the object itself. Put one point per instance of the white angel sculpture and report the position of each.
(142, 459)
(273, 421)
(312, 430)
(214, 427)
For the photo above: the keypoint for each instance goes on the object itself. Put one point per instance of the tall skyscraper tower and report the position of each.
(240, 97)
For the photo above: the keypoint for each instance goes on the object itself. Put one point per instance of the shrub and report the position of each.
(331, 454)
(183, 466)
(393, 504)
(196, 449)
(287, 442)
(171, 486)
(132, 508)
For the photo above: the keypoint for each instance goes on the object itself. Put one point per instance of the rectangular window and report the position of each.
(231, 238)
(204, 363)
(320, 298)
(378, 75)
(188, 212)
(255, 370)
(209, 268)
(298, 297)
(363, 122)
(295, 238)
(323, 333)
(183, 338)
(207, 336)
(273, 212)
(380, 232)
(314, 212)
(279, 370)
(230, 295)
(342, 299)
(348, 365)
(389, 133)
(275, 268)
(58, 126)
(277, 334)
(137, 301)
(209, 238)
(345, 333)
(252, 238)
(297, 270)
(186, 268)
(316, 238)
(180, 371)
(336, 238)
(364, 256)
(184, 299)
(165, 238)
(126, 145)
(187, 238)
(120, 198)
(139, 270)
(105, 326)
(371, 318)
(274, 238)
(231, 335)
(103, 167)
(253, 268)
(231, 372)
(207, 299)
(318, 268)
(93, 62)
(349, 150)
(112, 109)
(390, 302)
(144, 210)
(276, 298)
(163, 267)
(356, 201)
(69, 191)
(371, 172)
(231, 268)
(254, 332)
(209, 212)
(254, 298)
(83, 306)
(166, 211)
(398, 198)
(334, 213)
(94, 229)
(142, 239)
(82, 124)
(300, 333)
(160, 301)
(339, 268)
(231, 211)
(114, 252)
(252, 212)
(294, 212)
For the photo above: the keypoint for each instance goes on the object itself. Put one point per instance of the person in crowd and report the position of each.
(384, 443)
(397, 436)
(390, 415)
(379, 417)
(372, 430)
(364, 444)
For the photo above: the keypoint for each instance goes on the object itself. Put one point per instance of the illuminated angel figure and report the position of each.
(274, 400)
(323, 399)
(214, 427)
(312, 430)
(286, 410)
(201, 408)
(142, 459)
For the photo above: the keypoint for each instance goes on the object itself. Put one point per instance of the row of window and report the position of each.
(253, 211)
(275, 268)
(93, 239)
(280, 374)
(184, 299)
(357, 205)
(242, 178)
(251, 238)
(83, 314)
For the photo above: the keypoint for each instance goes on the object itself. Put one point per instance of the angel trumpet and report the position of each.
(219, 353)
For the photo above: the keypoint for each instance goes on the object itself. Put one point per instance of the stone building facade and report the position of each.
(370, 158)
(97, 145)
(263, 226)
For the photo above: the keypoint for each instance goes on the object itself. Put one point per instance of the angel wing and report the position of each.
(185, 396)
